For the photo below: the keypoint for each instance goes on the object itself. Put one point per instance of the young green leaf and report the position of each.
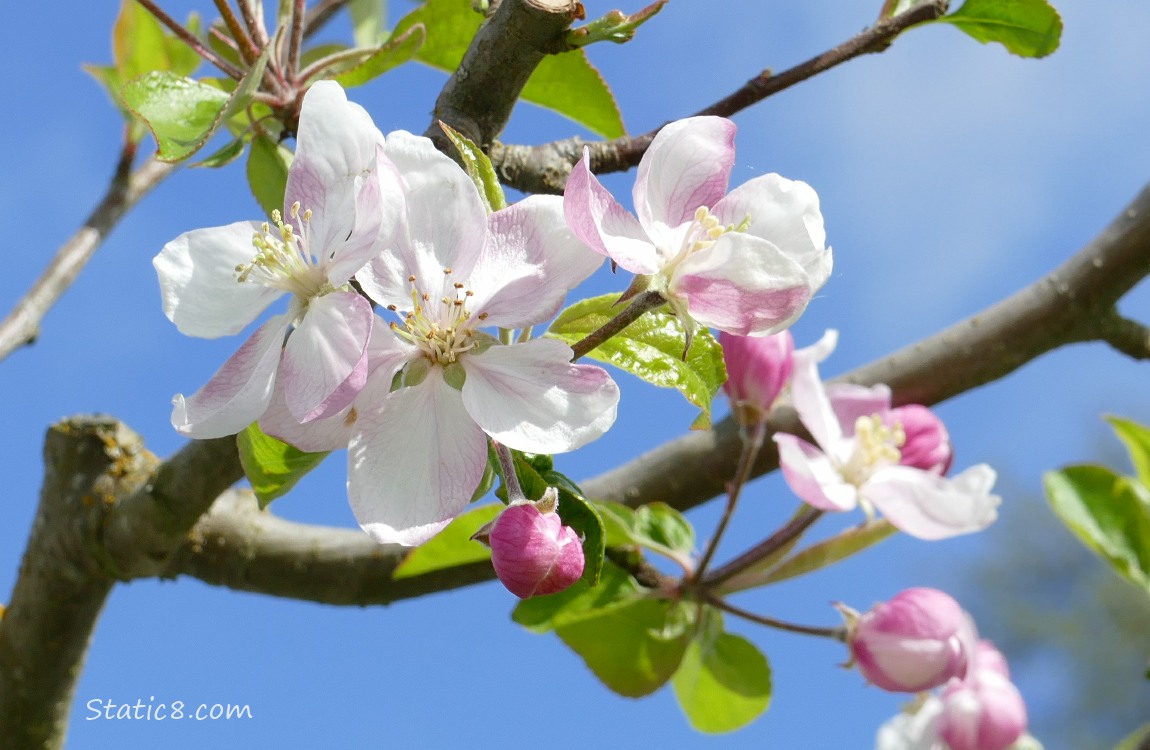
(267, 169)
(1028, 28)
(451, 547)
(1109, 513)
(478, 168)
(272, 466)
(624, 645)
(1137, 441)
(368, 21)
(395, 52)
(651, 348)
(543, 613)
(723, 683)
(566, 83)
(582, 516)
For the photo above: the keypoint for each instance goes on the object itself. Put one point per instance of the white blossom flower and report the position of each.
(418, 453)
(342, 200)
(744, 262)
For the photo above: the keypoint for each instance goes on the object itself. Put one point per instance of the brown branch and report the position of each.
(478, 98)
(544, 168)
(22, 325)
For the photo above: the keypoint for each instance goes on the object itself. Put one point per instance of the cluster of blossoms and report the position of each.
(866, 452)
(921, 640)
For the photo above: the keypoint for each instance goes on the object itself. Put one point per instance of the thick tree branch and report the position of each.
(478, 98)
(240, 547)
(544, 168)
(22, 325)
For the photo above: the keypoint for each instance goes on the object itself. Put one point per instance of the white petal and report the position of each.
(379, 210)
(530, 397)
(198, 281)
(785, 213)
(325, 360)
(600, 221)
(531, 262)
(240, 390)
(414, 463)
(851, 401)
(335, 149)
(809, 397)
(686, 167)
(928, 506)
(812, 475)
(742, 285)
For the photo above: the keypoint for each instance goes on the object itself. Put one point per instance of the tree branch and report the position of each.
(544, 169)
(22, 325)
(240, 547)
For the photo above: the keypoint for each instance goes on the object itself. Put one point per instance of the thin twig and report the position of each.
(641, 304)
(792, 530)
(191, 40)
(244, 44)
(295, 38)
(1127, 336)
(320, 14)
(838, 633)
(751, 447)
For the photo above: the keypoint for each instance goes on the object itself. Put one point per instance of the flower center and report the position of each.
(875, 445)
(283, 259)
(443, 329)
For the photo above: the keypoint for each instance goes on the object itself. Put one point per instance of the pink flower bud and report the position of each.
(533, 553)
(758, 367)
(927, 445)
(916, 641)
(983, 712)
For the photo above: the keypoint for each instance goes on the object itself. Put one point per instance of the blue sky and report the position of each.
(950, 175)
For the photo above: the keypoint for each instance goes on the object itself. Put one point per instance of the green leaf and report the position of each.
(398, 50)
(1028, 28)
(655, 526)
(1137, 441)
(723, 683)
(1135, 739)
(224, 156)
(566, 83)
(820, 555)
(369, 21)
(1109, 515)
(272, 466)
(451, 547)
(651, 348)
(624, 645)
(543, 613)
(268, 164)
(478, 168)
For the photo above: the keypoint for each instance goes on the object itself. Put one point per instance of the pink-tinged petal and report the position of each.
(927, 445)
(809, 395)
(742, 285)
(531, 398)
(599, 220)
(325, 362)
(928, 506)
(379, 210)
(240, 390)
(335, 149)
(812, 476)
(851, 401)
(686, 166)
(531, 262)
(758, 368)
(386, 354)
(983, 712)
(201, 291)
(533, 553)
(414, 462)
(786, 214)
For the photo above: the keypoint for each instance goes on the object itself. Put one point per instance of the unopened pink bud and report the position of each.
(916, 641)
(758, 367)
(983, 712)
(927, 445)
(533, 553)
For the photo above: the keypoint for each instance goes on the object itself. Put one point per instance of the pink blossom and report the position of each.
(985, 711)
(758, 369)
(916, 641)
(745, 262)
(857, 457)
(533, 553)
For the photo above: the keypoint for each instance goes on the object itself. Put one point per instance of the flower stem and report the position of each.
(246, 48)
(786, 534)
(642, 303)
(838, 633)
(510, 478)
(752, 443)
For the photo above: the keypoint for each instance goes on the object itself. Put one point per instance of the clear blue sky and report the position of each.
(951, 174)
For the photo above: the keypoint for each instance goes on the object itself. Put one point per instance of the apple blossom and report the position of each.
(532, 552)
(916, 641)
(858, 457)
(758, 368)
(418, 452)
(744, 262)
(985, 711)
(341, 202)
